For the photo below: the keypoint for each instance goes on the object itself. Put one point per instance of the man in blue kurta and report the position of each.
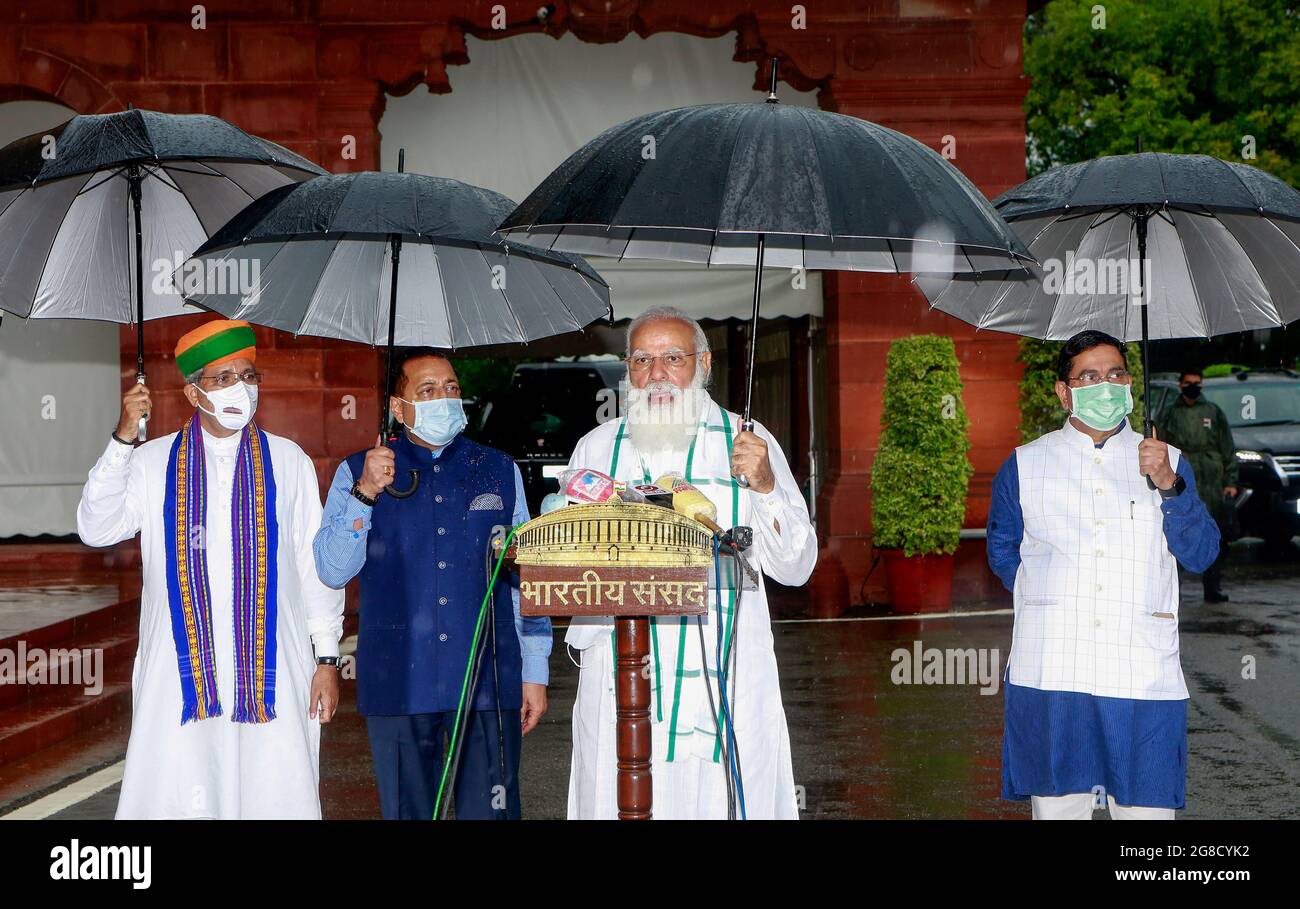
(424, 567)
(1096, 705)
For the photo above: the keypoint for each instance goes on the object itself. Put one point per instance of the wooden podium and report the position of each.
(629, 561)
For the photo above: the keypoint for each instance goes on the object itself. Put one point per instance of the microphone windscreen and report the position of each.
(688, 500)
(587, 485)
(653, 495)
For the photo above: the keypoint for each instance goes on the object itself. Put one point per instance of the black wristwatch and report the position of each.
(361, 496)
(327, 661)
(1176, 490)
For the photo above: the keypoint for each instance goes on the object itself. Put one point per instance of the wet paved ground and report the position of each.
(864, 747)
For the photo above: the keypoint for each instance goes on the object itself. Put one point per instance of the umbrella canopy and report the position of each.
(822, 190)
(324, 254)
(763, 184)
(67, 219)
(1223, 241)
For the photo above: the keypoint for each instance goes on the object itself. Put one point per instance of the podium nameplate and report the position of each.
(612, 590)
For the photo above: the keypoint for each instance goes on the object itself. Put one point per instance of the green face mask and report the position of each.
(1102, 406)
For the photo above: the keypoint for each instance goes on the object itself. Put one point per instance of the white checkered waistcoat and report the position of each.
(1096, 593)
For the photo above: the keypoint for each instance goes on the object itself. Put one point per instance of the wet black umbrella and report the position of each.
(1223, 239)
(395, 259)
(765, 184)
(74, 198)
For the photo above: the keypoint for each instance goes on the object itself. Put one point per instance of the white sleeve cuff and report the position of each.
(116, 457)
(325, 643)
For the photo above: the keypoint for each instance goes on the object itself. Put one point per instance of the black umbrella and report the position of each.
(766, 184)
(1224, 239)
(325, 251)
(72, 198)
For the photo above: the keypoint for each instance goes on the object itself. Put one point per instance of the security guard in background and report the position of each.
(1200, 430)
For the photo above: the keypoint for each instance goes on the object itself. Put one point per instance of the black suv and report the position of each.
(1263, 411)
(547, 409)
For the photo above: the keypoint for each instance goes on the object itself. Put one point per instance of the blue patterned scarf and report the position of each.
(254, 545)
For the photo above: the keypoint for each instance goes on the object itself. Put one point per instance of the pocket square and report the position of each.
(488, 501)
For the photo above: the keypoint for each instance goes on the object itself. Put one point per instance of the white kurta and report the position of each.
(692, 784)
(216, 768)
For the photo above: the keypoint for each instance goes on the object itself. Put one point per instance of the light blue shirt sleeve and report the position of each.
(534, 632)
(340, 544)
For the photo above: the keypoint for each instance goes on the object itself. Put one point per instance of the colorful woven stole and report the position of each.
(254, 545)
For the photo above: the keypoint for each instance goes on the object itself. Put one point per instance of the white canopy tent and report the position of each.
(524, 104)
(60, 398)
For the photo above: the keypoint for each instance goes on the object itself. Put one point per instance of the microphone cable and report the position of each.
(496, 677)
(441, 808)
(708, 686)
(733, 659)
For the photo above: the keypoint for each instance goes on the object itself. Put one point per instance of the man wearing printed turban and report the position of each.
(239, 640)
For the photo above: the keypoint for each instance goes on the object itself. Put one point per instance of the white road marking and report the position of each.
(898, 618)
(69, 795)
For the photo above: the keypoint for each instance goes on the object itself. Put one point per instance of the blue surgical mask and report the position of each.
(438, 421)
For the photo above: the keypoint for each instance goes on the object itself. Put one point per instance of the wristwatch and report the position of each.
(361, 496)
(327, 661)
(1176, 490)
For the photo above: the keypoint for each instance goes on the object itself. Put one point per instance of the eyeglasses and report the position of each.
(230, 377)
(1092, 377)
(672, 361)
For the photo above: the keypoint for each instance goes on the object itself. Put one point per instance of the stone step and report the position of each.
(25, 729)
(21, 559)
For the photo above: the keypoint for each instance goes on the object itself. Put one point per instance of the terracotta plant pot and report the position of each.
(918, 584)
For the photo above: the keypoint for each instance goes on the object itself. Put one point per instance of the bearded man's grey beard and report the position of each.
(667, 426)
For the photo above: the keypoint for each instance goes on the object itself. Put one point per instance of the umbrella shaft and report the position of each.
(1146, 357)
(753, 324)
(387, 381)
(133, 180)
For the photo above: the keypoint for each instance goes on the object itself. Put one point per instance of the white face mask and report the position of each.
(240, 396)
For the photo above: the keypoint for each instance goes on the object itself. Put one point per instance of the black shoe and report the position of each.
(1216, 596)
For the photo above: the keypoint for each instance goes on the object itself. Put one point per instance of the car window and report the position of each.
(545, 410)
(1251, 403)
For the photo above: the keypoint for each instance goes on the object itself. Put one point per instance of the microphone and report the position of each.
(653, 495)
(689, 501)
(586, 486)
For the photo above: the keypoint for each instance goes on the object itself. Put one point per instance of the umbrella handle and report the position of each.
(1148, 430)
(409, 491)
(142, 432)
(741, 480)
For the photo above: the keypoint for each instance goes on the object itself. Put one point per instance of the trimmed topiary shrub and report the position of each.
(920, 474)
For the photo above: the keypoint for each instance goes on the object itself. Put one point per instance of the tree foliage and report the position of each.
(1214, 77)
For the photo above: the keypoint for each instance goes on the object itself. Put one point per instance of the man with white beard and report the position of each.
(672, 426)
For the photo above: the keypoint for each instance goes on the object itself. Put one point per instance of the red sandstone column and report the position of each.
(955, 85)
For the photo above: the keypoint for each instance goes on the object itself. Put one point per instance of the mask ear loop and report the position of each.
(568, 651)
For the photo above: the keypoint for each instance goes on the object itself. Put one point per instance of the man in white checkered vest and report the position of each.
(1096, 705)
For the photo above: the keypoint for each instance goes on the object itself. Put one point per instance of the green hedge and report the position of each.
(1040, 409)
(920, 474)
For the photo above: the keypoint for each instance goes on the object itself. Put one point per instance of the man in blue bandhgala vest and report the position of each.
(424, 568)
